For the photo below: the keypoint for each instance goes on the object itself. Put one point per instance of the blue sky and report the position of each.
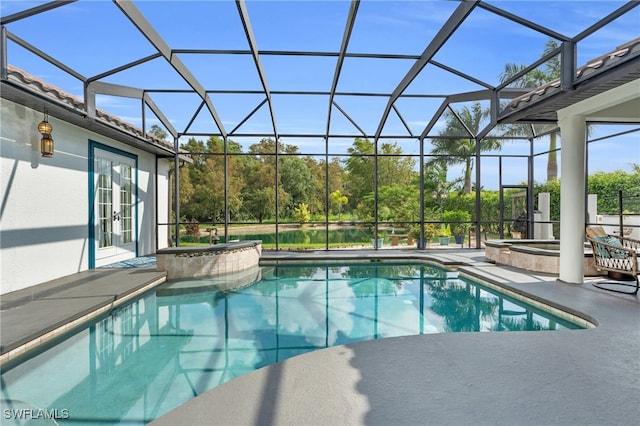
(92, 37)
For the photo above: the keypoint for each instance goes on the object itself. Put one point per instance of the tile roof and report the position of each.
(35, 84)
(592, 68)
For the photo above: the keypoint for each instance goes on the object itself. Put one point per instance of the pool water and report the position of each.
(185, 338)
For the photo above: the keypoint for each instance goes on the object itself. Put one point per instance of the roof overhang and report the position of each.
(620, 105)
(109, 127)
(542, 104)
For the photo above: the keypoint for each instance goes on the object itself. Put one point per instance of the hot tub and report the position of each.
(533, 255)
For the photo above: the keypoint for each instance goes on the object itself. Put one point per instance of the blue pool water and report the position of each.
(185, 337)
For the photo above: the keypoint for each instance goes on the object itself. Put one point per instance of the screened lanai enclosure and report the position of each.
(345, 124)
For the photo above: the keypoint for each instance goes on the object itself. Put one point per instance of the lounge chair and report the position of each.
(616, 254)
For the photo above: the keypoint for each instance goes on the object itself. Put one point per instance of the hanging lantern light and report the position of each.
(46, 146)
(46, 143)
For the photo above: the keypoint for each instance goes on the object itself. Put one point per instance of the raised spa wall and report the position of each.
(208, 261)
(524, 254)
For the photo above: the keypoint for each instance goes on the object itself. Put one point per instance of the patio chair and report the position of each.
(618, 256)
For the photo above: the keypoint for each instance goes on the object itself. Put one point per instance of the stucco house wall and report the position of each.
(44, 202)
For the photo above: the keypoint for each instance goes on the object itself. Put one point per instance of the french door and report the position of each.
(114, 207)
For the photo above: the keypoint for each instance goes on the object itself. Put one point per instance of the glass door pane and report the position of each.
(126, 205)
(105, 202)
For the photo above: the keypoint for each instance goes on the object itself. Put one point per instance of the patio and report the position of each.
(561, 378)
(585, 377)
(318, 86)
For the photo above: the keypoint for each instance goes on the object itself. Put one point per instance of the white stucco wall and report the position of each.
(44, 206)
(163, 203)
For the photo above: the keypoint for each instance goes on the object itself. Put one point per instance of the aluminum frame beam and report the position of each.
(457, 17)
(34, 11)
(627, 7)
(253, 45)
(124, 67)
(351, 19)
(53, 61)
(525, 22)
(146, 29)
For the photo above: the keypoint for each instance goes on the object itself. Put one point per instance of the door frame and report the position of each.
(93, 146)
(528, 212)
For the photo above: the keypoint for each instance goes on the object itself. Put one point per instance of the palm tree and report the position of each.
(435, 181)
(535, 78)
(463, 150)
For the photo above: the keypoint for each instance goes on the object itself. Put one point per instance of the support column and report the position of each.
(544, 205)
(592, 209)
(572, 196)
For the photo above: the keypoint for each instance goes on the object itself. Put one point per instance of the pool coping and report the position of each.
(64, 306)
(574, 316)
(208, 261)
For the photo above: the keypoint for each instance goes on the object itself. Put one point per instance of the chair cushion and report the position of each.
(606, 251)
(596, 231)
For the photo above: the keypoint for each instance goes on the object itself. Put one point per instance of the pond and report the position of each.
(307, 236)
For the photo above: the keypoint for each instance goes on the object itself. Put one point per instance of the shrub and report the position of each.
(193, 227)
(430, 231)
(302, 214)
(445, 230)
(457, 220)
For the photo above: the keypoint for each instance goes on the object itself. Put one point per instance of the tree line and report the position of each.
(254, 176)
(345, 184)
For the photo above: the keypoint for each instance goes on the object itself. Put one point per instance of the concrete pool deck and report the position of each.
(578, 377)
(568, 377)
(37, 315)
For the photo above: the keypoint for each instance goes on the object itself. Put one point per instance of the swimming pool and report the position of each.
(185, 338)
